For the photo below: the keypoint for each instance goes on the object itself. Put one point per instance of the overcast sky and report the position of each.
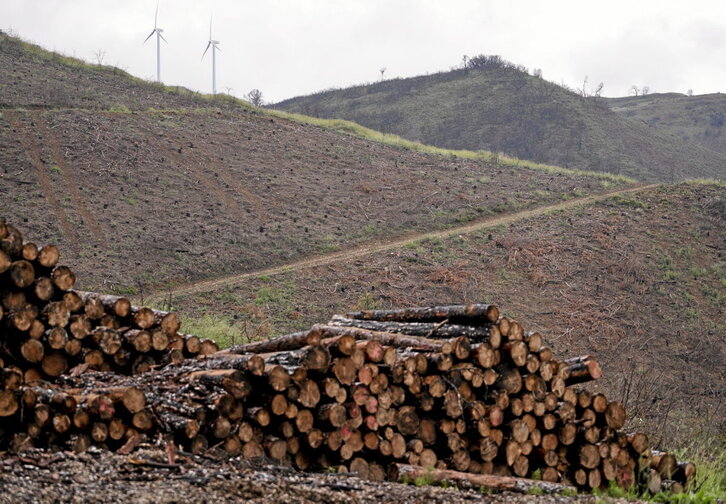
(290, 47)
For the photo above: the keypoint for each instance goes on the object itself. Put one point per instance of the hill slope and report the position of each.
(696, 119)
(639, 280)
(504, 109)
(151, 186)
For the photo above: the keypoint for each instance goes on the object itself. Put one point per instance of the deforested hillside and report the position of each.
(697, 119)
(500, 108)
(143, 178)
(638, 280)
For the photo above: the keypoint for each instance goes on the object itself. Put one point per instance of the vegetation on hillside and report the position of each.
(699, 119)
(496, 106)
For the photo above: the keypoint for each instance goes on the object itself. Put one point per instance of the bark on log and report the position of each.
(405, 472)
(424, 329)
(389, 339)
(454, 313)
(282, 343)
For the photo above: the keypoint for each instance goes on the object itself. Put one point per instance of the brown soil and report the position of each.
(162, 189)
(386, 245)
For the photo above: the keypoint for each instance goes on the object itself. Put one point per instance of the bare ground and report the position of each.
(146, 476)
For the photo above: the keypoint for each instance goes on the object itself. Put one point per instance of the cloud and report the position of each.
(291, 47)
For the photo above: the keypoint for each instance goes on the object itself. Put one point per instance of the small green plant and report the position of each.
(568, 492)
(697, 272)
(685, 253)
(671, 276)
(425, 480)
(366, 301)
(369, 229)
(535, 490)
(56, 169)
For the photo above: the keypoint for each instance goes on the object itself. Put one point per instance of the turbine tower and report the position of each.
(159, 38)
(214, 44)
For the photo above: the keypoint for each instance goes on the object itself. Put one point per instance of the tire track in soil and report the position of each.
(227, 177)
(46, 185)
(377, 247)
(200, 175)
(69, 178)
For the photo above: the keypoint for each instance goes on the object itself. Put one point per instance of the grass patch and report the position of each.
(706, 182)
(119, 109)
(213, 327)
(628, 201)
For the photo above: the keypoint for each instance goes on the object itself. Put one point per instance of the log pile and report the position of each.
(459, 391)
(48, 328)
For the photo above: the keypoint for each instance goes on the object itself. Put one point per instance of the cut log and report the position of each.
(423, 329)
(454, 313)
(408, 473)
(390, 339)
(48, 256)
(582, 369)
(21, 273)
(63, 278)
(283, 343)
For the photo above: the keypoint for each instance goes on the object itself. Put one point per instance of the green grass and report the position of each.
(709, 485)
(214, 327)
(119, 109)
(707, 182)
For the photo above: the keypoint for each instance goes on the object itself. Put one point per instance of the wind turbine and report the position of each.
(214, 44)
(159, 38)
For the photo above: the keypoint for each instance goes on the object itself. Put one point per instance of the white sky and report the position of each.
(291, 47)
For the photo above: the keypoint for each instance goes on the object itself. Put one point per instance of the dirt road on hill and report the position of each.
(382, 246)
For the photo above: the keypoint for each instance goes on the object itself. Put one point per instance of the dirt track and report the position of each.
(375, 247)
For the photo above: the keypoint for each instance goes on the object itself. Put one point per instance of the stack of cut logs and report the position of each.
(454, 392)
(47, 328)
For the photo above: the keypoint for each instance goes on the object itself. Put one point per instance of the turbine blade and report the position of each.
(205, 50)
(210, 27)
(150, 34)
(156, 16)
(162, 37)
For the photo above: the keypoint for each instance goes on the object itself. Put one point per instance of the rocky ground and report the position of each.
(151, 475)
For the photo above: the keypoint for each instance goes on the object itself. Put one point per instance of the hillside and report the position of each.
(639, 280)
(502, 109)
(151, 186)
(697, 119)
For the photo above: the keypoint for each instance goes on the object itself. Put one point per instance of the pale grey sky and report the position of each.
(291, 47)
